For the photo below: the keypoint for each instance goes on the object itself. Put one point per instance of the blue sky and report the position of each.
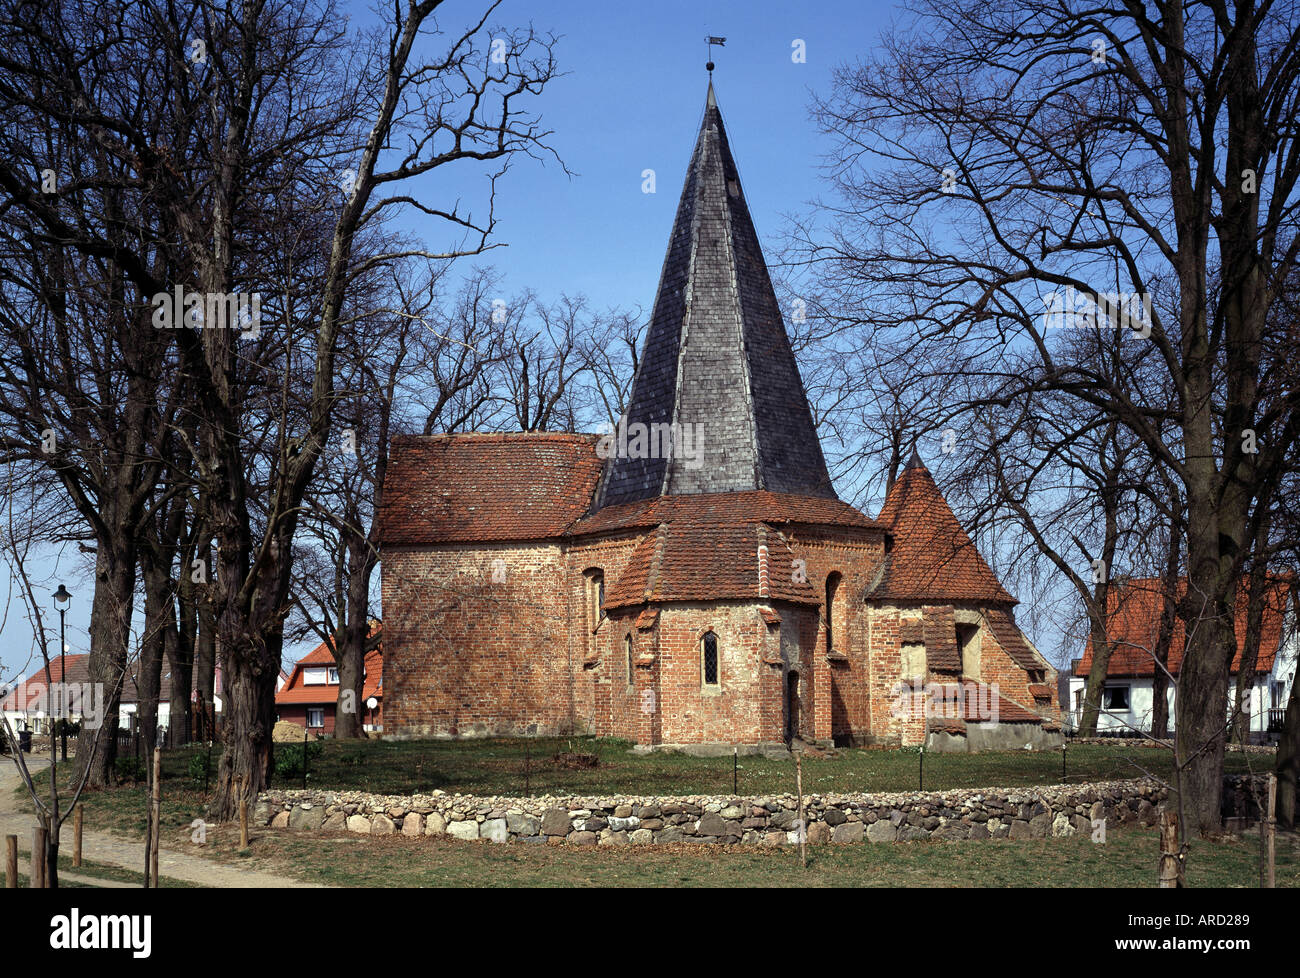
(630, 99)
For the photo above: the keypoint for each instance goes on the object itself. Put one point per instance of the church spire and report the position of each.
(717, 364)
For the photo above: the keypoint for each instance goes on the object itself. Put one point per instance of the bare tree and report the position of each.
(1001, 153)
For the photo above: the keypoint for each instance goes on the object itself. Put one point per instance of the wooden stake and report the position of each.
(243, 809)
(157, 813)
(77, 819)
(11, 862)
(37, 879)
(1171, 863)
(803, 829)
(1271, 826)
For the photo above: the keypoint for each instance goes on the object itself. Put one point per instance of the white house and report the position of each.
(32, 705)
(1128, 697)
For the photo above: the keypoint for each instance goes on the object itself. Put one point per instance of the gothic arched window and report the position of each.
(709, 658)
(832, 586)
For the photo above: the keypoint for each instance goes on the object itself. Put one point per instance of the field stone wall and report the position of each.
(971, 813)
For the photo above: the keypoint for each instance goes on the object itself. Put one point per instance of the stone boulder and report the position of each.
(467, 829)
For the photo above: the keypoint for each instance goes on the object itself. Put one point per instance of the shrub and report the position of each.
(199, 766)
(288, 758)
(130, 768)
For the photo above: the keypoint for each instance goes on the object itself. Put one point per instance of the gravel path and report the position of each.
(103, 847)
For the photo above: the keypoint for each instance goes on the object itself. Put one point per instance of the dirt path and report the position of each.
(102, 847)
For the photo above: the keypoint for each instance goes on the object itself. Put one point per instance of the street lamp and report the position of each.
(62, 598)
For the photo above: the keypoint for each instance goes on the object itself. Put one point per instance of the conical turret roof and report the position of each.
(716, 357)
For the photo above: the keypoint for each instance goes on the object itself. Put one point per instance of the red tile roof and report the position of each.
(981, 704)
(1012, 640)
(295, 692)
(940, 639)
(1135, 609)
(482, 487)
(772, 508)
(30, 692)
(695, 559)
(932, 558)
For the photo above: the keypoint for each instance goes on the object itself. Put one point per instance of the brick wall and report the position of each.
(477, 642)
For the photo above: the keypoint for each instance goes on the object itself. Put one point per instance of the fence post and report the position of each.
(304, 760)
(157, 812)
(1271, 826)
(37, 880)
(1171, 861)
(803, 829)
(11, 862)
(920, 776)
(243, 813)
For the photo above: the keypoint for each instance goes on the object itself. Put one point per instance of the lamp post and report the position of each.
(61, 600)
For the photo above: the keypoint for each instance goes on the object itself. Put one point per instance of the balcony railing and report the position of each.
(1275, 720)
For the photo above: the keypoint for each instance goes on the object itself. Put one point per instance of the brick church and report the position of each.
(691, 579)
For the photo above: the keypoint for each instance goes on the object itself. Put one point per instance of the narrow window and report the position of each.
(627, 648)
(709, 651)
(832, 585)
(595, 596)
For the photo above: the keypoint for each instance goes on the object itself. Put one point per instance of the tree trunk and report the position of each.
(157, 623)
(1165, 637)
(1288, 761)
(248, 718)
(205, 656)
(1256, 599)
(110, 630)
(350, 642)
(181, 660)
(1202, 701)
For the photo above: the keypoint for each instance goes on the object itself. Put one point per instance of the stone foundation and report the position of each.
(970, 813)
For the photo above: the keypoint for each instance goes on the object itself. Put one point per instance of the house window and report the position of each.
(1115, 699)
(315, 716)
(709, 658)
(333, 677)
(1276, 694)
(315, 676)
(627, 649)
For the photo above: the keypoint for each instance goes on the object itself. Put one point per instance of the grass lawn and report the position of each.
(497, 767)
(95, 870)
(1128, 858)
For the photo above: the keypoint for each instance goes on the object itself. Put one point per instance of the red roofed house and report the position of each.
(310, 696)
(691, 578)
(1135, 606)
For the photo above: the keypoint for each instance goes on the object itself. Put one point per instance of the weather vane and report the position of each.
(711, 40)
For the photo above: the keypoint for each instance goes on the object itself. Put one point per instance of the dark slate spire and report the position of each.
(716, 355)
